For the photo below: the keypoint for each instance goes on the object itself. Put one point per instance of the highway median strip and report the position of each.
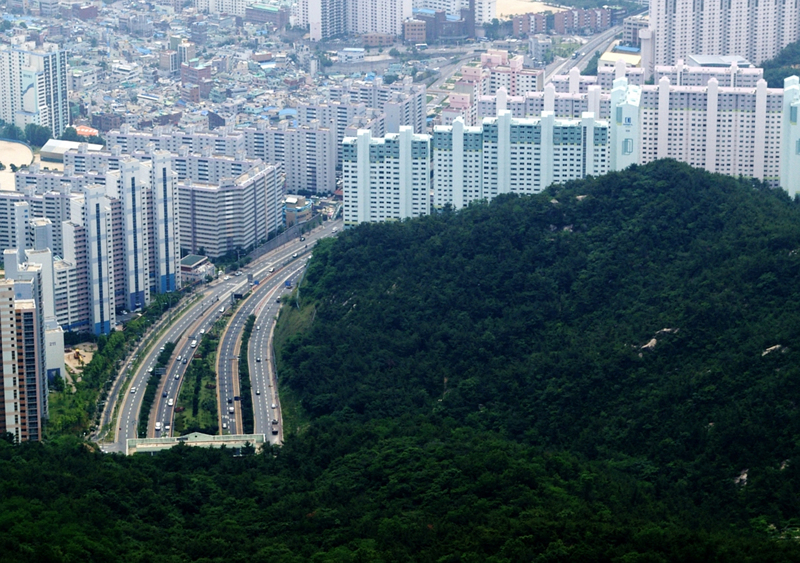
(152, 388)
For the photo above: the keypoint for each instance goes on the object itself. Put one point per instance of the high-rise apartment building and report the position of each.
(233, 215)
(386, 179)
(33, 86)
(507, 155)
(754, 30)
(331, 18)
(23, 409)
(403, 102)
(307, 153)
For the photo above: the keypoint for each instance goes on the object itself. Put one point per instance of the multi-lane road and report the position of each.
(200, 315)
(269, 285)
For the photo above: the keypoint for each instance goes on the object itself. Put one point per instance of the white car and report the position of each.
(179, 359)
(170, 402)
(158, 426)
(133, 390)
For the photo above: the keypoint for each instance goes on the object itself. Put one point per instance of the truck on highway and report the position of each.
(193, 344)
(274, 426)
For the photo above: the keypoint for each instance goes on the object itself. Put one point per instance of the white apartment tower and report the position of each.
(133, 185)
(89, 233)
(165, 269)
(754, 30)
(790, 143)
(330, 18)
(33, 86)
(232, 215)
(386, 179)
(522, 156)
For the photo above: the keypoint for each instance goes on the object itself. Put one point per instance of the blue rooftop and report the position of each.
(287, 111)
(627, 49)
(427, 11)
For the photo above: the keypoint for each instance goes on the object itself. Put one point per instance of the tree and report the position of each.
(12, 132)
(393, 52)
(37, 135)
(70, 134)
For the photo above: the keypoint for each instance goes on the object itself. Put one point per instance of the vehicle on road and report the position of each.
(166, 428)
(302, 239)
(170, 402)
(185, 360)
(334, 230)
(193, 344)
(158, 426)
(231, 409)
(179, 358)
(177, 376)
(221, 309)
(230, 400)
(271, 270)
(164, 394)
(258, 392)
(294, 255)
(202, 331)
(224, 425)
(274, 406)
(258, 359)
(133, 390)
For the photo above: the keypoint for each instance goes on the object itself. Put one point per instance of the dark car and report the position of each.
(164, 394)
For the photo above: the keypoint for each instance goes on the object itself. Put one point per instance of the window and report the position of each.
(627, 146)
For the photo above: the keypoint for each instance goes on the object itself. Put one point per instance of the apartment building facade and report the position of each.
(233, 215)
(33, 85)
(754, 30)
(508, 155)
(387, 178)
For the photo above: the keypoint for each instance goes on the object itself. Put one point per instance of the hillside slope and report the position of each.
(604, 372)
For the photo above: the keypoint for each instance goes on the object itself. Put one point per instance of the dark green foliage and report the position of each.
(36, 135)
(74, 413)
(786, 64)
(591, 66)
(11, 131)
(245, 387)
(478, 391)
(152, 387)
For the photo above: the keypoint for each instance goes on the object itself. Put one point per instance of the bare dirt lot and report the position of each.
(513, 7)
(12, 153)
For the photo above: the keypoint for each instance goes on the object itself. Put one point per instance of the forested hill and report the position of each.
(604, 372)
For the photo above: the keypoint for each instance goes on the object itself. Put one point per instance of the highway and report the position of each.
(266, 402)
(263, 297)
(200, 315)
(596, 43)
